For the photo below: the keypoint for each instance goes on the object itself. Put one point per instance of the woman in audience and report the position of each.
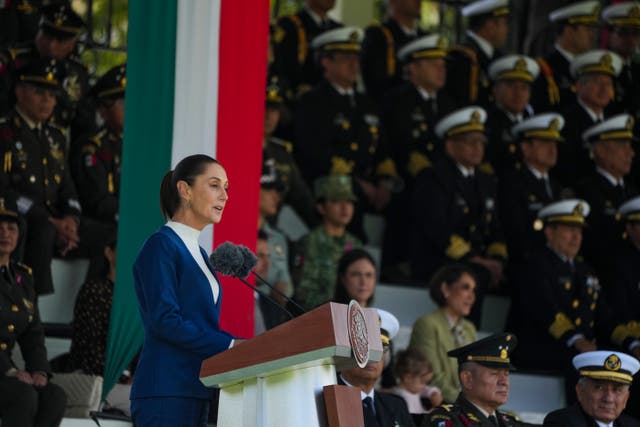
(452, 287)
(27, 398)
(90, 330)
(356, 278)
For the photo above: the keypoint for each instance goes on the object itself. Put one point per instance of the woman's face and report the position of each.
(208, 195)
(460, 295)
(8, 237)
(360, 280)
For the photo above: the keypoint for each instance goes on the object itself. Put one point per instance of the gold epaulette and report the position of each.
(497, 250)
(552, 86)
(458, 247)
(561, 325)
(474, 69)
(302, 38)
(391, 47)
(25, 267)
(287, 145)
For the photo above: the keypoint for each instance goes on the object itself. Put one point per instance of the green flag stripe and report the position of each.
(146, 157)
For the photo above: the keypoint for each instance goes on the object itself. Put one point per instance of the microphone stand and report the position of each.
(265, 296)
(273, 288)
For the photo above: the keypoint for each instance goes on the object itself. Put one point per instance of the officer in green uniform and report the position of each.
(35, 173)
(59, 30)
(484, 379)
(27, 398)
(96, 161)
(320, 250)
(295, 191)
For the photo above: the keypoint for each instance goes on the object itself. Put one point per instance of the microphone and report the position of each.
(251, 259)
(230, 260)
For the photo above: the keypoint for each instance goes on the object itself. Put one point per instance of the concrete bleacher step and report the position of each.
(68, 276)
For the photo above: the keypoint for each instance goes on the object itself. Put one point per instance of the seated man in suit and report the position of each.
(603, 390)
(484, 377)
(380, 409)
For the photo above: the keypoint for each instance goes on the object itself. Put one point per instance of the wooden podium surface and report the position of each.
(278, 377)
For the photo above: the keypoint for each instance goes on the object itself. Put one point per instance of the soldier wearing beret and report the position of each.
(511, 76)
(379, 409)
(35, 173)
(607, 187)
(381, 69)
(455, 209)
(468, 63)
(410, 113)
(484, 368)
(602, 390)
(575, 28)
(320, 250)
(338, 130)
(524, 191)
(294, 55)
(295, 191)
(27, 398)
(594, 72)
(59, 30)
(96, 161)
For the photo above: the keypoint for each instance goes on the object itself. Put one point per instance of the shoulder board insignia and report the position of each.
(447, 407)
(284, 144)
(25, 267)
(472, 417)
(89, 149)
(17, 51)
(486, 168)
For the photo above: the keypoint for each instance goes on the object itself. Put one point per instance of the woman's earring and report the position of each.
(188, 205)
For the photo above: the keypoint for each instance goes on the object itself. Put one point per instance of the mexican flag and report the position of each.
(196, 75)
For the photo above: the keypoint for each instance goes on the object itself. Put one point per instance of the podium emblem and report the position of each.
(358, 334)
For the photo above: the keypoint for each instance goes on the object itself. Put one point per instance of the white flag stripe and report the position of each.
(196, 79)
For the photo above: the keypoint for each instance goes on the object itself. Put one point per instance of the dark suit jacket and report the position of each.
(503, 150)
(391, 411)
(520, 196)
(378, 75)
(460, 61)
(410, 122)
(180, 318)
(574, 416)
(605, 232)
(445, 206)
(560, 69)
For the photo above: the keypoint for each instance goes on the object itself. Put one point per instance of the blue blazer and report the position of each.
(180, 319)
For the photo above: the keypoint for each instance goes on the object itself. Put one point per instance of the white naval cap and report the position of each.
(630, 210)
(427, 47)
(514, 67)
(596, 61)
(467, 119)
(344, 39)
(584, 12)
(625, 14)
(482, 7)
(607, 365)
(540, 126)
(616, 128)
(389, 325)
(570, 211)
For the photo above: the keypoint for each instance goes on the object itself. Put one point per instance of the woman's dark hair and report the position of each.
(348, 258)
(449, 273)
(411, 361)
(186, 170)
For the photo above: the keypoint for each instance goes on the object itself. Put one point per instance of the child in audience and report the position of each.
(413, 373)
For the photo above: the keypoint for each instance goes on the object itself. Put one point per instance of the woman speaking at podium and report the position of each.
(179, 299)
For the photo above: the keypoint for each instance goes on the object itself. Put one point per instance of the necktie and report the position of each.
(547, 187)
(493, 420)
(367, 406)
(620, 192)
(458, 335)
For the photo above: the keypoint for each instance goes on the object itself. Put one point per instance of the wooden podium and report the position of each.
(278, 378)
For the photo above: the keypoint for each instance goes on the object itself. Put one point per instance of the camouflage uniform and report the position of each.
(318, 262)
